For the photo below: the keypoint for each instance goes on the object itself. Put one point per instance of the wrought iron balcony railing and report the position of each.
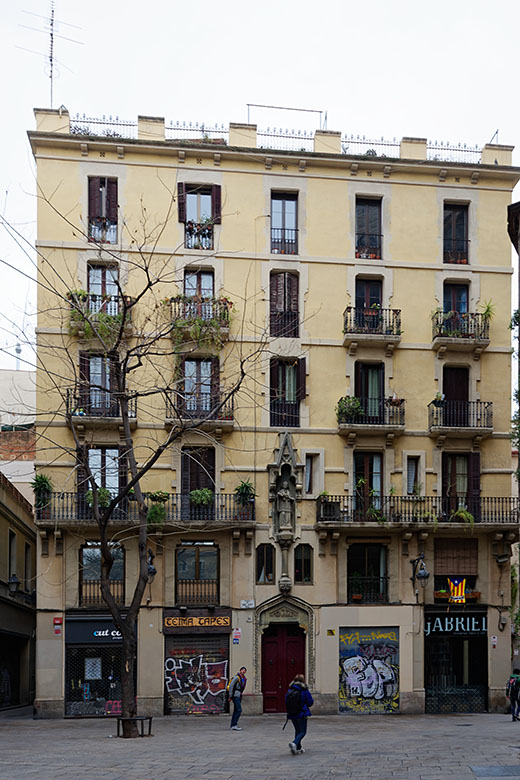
(207, 311)
(193, 593)
(460, 414)
(284, 324)
(369, 245)
(372, 320)
(284, 241)
(351, 410)
(104, 314)
(367, 590)
(200, 406)
(460, 325)
(456, 250)
(102, 230)
(284, 413)
(198, 235)
(426, 510)
(90, 592)
(73, 508)
(95, 402)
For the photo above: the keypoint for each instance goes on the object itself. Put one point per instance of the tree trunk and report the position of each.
(128, 698)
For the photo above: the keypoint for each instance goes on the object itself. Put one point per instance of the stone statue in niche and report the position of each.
(285, 503)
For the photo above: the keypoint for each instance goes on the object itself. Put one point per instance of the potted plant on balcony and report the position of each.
(462, 515)
(244, 496)
(348, 409)
(439, 400)
(42, 487)
(104, 497)
(201, 497)
(156, 514)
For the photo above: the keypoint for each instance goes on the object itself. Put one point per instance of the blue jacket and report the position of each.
(306, 699)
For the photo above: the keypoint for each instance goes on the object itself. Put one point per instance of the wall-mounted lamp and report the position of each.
(152, 571)
(13, 584)
(502, 559)
(419, 571)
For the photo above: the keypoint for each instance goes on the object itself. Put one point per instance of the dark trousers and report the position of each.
(300, 730)
(515, 707)
(237, 710)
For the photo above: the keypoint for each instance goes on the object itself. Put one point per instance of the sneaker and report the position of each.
(236, 728)
(293, 748)
(300, 750)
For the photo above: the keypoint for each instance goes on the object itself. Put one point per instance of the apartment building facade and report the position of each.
(367, 290)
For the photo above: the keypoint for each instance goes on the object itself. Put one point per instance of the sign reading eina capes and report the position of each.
(198, 621)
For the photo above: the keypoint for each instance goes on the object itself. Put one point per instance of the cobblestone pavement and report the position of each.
(398, 747)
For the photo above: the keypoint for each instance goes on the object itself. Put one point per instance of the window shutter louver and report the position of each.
(123, 467)
(445, 474)
(273, 379)
(112, 201)
(82, 483)
(94, 197)
(292, 292)
(185, 471)
(181, 201)
(216, 204)
(215, 382)
(300, 389)
(474, 475)
(273, 294)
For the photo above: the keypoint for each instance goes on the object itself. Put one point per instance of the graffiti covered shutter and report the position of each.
(196, 671)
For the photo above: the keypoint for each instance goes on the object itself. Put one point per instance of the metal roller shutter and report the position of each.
(196, 671)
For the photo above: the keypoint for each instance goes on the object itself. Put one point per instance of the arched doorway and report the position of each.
(283, 656)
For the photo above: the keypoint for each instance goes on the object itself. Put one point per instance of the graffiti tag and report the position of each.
(369, 679)
(195, 678)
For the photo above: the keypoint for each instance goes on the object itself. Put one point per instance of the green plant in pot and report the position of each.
(348, 408)
(156, 514)
(201, 497)
(104, 497)
(245, 492)
(42, 487)
(462, 515)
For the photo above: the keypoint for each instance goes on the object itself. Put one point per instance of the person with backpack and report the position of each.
(513, 693)
(235, 691)
(298, 701)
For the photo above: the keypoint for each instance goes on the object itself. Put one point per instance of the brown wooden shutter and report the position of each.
(84, 379)
(215, 382)
(82, 483)
(277, 293)
(123, 467)
(358, 379)
(112, 201)
(474, 475)
(216, 204)
(181, 201)
(273, 379)
(300, 388)
(185, 470)
(94, 197)
(456, 556)
(292, 292)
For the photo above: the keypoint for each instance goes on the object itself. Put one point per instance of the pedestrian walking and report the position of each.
(298, 701)
(513, 693)
(236, 689)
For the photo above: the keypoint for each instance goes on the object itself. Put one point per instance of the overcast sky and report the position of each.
(445, 70)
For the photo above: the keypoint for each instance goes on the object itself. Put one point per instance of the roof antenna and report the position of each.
(495, 135)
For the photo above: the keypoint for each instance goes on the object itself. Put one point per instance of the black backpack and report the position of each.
(293, 702)
(514, 688)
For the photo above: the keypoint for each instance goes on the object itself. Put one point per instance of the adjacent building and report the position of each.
(372, 282)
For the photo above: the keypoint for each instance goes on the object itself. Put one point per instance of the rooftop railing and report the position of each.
(108, 126)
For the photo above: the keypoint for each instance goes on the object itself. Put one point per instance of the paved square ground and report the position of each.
(397, 747)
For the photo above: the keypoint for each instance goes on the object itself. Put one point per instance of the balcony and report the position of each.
(459, 331)
(369, 246)
(90, 592)
(102, 230)
(99, 316)
(98, 408)
(208, 411)
(367, 590)
(198, 235)
(371, 327)
(463, 419)
(417, 511)
(199, 321)
(224, 510)
(456, 251)
(370, 417)
(196, 593)
(284, 241)
(284, 414)
(284, 324)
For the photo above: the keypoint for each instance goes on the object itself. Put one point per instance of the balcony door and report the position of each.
(197, 473)
(368, 481)
(455, 387)
(367, 573)
(103, 289)
(368, 304)
(369, 388)
(461, 482)
(199, 285)
(97, 385)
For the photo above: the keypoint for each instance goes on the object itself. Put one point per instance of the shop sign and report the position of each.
(198, 621)
(237, 633)
(474, 625)
(92, 632)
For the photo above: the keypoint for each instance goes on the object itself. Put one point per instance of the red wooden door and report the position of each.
(283, 656)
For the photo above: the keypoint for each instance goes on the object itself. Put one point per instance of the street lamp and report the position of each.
(152, 571)
(13, 584)
(419, 571)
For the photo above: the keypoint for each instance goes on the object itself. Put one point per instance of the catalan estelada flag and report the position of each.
(457, 590)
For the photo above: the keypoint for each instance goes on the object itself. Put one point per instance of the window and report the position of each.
(90, 574)
(97, 385)
(199, 289)
(369, 383)
(102, 209)
(413, 484)
(303, 564)
(311, 475)
(201, 386)
(454, 558)
(197, 473)
(455, 386)
(199, 207)
(461, 483)
(265, 564)
(197, 575)
(368, 480)
(456, 242)
(287, 390)
(456, 298)
(367, 579)
(455, 321)
(11, 552)
(284, 317)
(27, 568)
(108, 467)
(284, 223)
(368, 228)
(103, 289)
